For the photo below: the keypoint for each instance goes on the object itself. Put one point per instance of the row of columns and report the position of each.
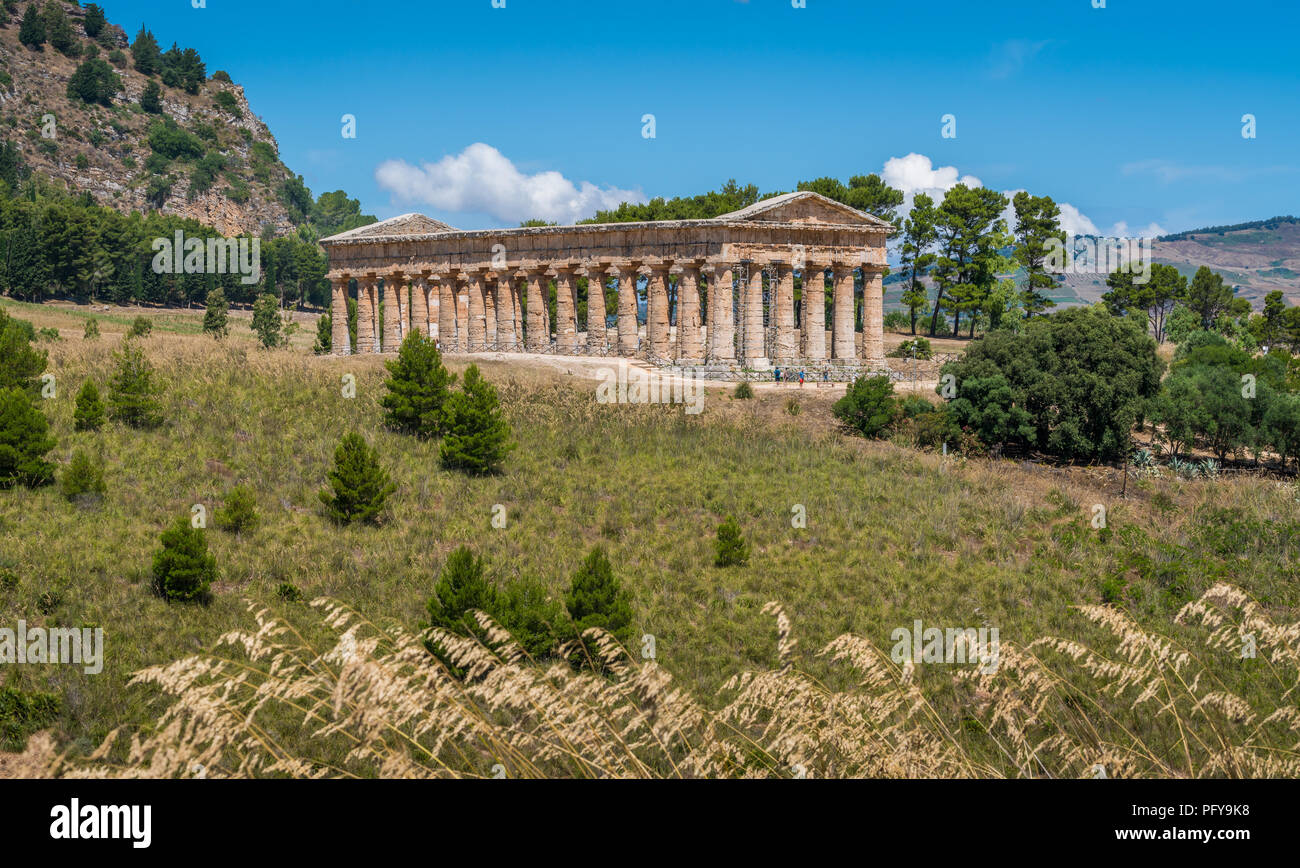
(478, 311)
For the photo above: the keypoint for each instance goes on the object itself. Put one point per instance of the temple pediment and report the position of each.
(803, 207)
(395, 227)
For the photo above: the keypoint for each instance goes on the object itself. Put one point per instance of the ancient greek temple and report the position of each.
(718, 292)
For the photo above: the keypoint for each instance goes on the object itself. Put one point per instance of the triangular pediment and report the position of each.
(803, 207)
(395, 227)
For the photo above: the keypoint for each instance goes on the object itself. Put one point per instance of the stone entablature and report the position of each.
(465, 287)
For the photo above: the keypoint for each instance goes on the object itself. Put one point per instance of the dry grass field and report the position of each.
(893, 535)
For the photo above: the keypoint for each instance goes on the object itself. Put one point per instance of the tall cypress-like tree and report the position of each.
(418, 388)
(477, 434)
(94, 22)
(145, 52)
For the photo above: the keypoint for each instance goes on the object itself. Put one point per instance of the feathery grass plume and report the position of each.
(377, 704)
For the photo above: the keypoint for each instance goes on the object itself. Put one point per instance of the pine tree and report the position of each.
(216, 320)
(359, 486)
(266, 321)
(151, 99)
(92, 329)
(418, 388)
(94, 22)
(132, 394)
(183, 569)
(477, 435)
(145, 52)
(24, 440)
(21, 364)
(89, 412)
(461, 589)
(32, 31)
(731, 546)
(83, 479)
(58, 30)
(596, 599)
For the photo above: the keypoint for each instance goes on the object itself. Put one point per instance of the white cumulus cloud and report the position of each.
(482, 180)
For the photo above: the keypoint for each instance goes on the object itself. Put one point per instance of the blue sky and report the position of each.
(1131, 114)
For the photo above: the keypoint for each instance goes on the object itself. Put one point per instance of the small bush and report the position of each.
(477, 434)
(869, 407)
(744, 391)
(732, 549)
(288, 592)
(183, 569)
(88, 414)
(84, 478)
(418, 388)
(92, 329)
(595, 598)
(24, 441)
(141, 327)
(132, 394)
(239, 512)
(23, 713)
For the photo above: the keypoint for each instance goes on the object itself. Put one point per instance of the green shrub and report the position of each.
(744, 391)
(227, 102)
(869, 406)
(918, 348)
(92, 329)
(21, 364)
(477, 435)
(183, 569)
(239, 512)
(84, 478)
(216, 319)
(267, 322)
(418, 388)
(288, 592)
(359, 486)
(531, 616)
(732, 550)
(462, 588)
(141, 327)
(23, 713)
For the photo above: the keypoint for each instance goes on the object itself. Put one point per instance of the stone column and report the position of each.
(367, 338)
(339, 317)
(755, 351)
(656, 315)
(842, 343)
(447, 313)
(392, 313)
(462, 318)
(597, 337)
(490, 312)
(535, 331)
(566, 325)
(786, 351)
(420, 305)
(627, 325)
(873, 315)
(505, 333)
(689, 350)
(517, 305)
(814, 312)
(477, 312)
(722, 325)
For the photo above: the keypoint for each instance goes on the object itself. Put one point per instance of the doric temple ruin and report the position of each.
(715, 293)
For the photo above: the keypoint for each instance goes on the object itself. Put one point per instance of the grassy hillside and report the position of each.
(893, 535)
